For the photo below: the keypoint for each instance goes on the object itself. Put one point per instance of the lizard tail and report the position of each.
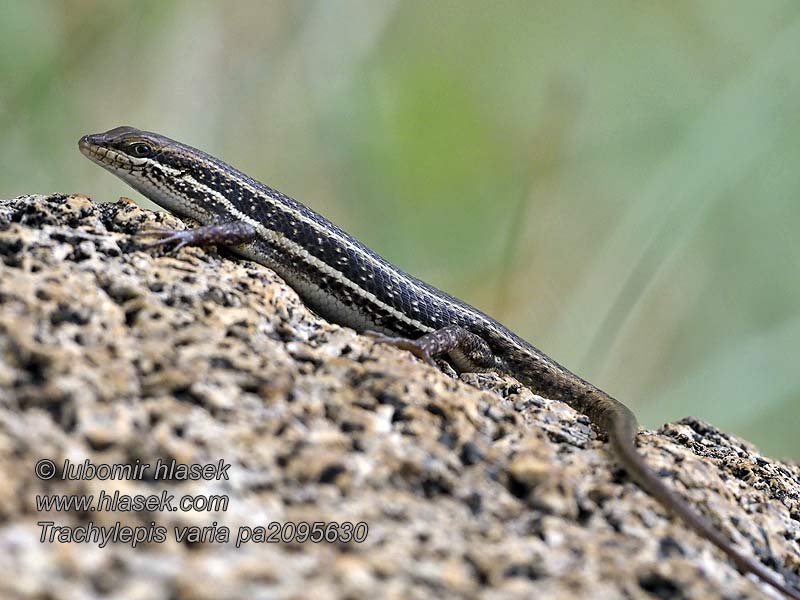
(622, 428)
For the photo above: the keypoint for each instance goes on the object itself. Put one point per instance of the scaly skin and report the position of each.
(346, 282)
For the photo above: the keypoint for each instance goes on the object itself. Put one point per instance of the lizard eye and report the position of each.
(141, 150)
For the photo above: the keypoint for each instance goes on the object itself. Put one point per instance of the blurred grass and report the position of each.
(617, 181)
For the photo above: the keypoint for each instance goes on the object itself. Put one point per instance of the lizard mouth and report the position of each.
(93, 147)
(90, 148)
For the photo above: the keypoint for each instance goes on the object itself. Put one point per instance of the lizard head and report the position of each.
(122, 148)
(164, 170)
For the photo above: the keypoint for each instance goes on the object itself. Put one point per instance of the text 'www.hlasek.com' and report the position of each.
(167, 472)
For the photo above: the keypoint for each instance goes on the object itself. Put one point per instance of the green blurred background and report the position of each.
(617, 181)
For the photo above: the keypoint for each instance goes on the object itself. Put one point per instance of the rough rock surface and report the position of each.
(471, 487)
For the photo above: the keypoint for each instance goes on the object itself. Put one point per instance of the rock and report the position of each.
(469, 488)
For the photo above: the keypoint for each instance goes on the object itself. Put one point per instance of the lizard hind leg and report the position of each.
(469, 352)
(231, 233)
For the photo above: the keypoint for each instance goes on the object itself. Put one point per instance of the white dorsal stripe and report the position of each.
(276, 238)
(331, 231)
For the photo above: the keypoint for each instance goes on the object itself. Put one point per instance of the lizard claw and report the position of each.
(164, 237)
(403, 343)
